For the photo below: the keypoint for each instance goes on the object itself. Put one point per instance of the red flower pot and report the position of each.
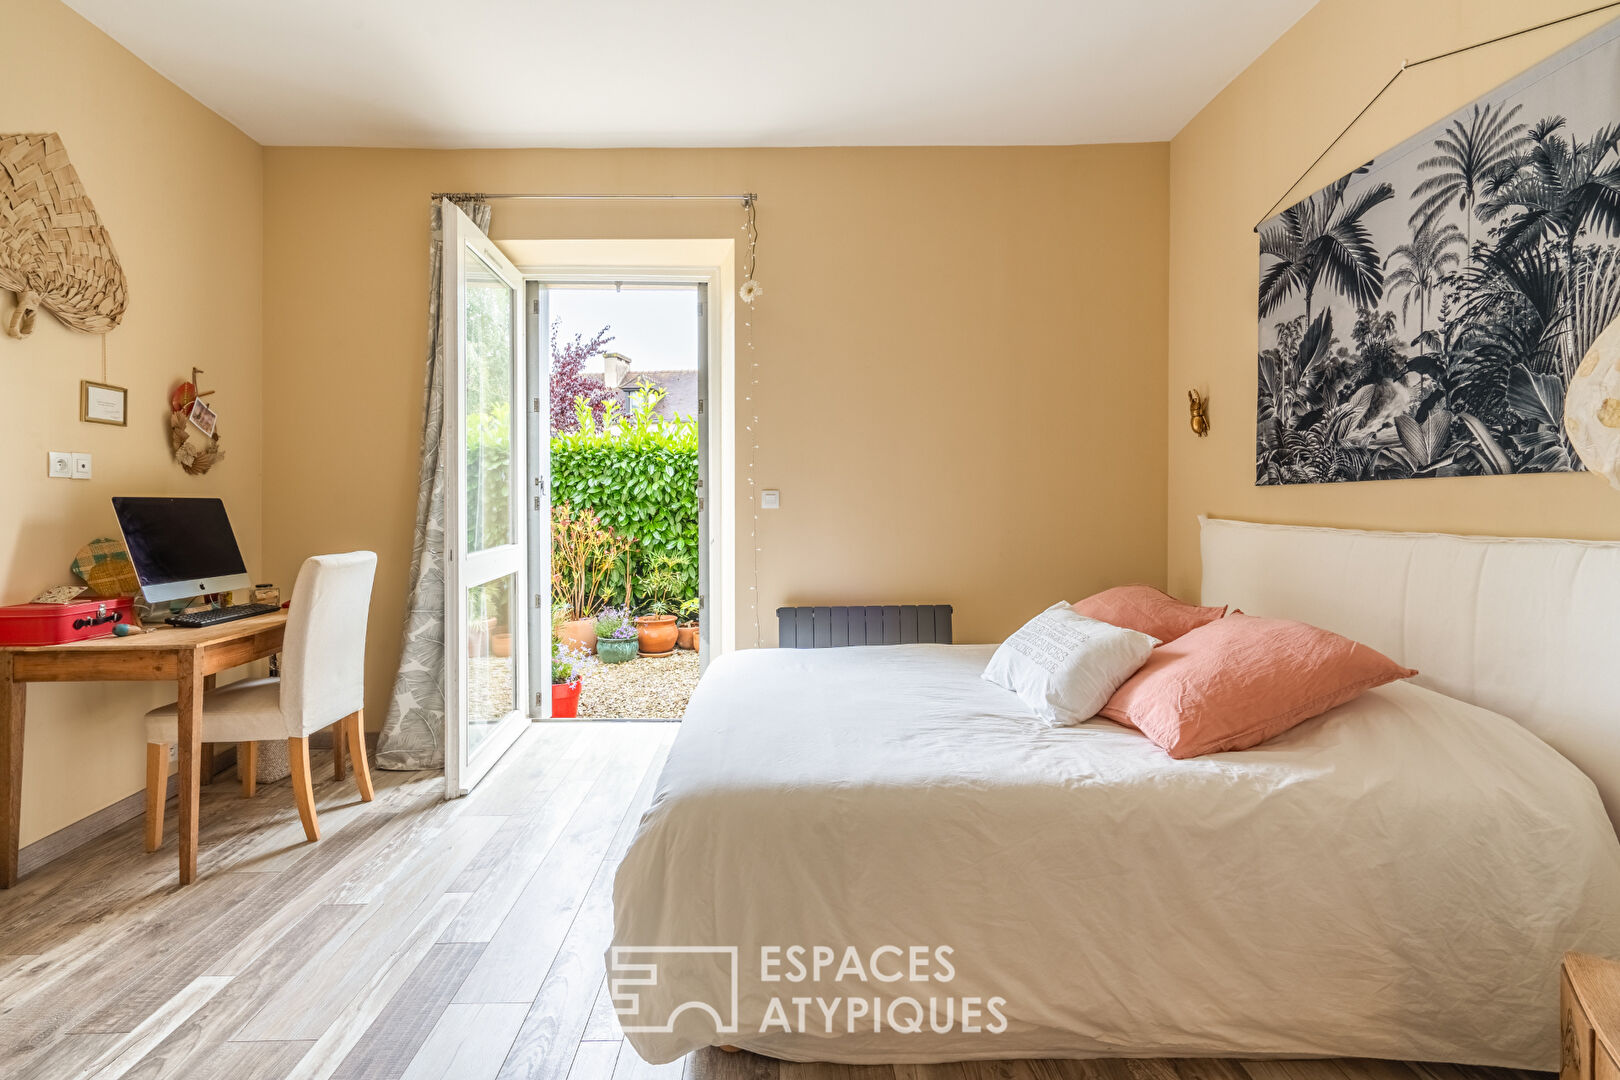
(565, 700)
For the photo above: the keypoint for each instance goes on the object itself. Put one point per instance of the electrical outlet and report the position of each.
(81, 467)
(770, 500)
(61, 465)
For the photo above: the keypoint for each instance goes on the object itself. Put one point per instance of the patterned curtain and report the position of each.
(413, 734)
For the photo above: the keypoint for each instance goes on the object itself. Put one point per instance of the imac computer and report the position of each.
(180, 547)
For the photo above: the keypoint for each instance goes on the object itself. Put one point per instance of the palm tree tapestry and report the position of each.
(1423, 315)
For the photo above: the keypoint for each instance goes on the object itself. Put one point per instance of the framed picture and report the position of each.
(203, 418)
(101, 403)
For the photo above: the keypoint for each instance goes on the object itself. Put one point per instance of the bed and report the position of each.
(1396, 878)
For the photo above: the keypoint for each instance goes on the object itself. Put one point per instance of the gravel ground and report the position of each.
(646, 688)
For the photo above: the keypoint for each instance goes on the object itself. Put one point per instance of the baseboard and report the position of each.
(64, 840)
(50, 848)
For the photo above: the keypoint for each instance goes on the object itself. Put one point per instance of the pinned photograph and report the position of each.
(203, 418)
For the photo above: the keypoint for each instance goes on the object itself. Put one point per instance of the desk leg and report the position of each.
(13, 699)
(190, 736)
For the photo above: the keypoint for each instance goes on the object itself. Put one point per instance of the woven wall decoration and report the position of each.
(54, 251)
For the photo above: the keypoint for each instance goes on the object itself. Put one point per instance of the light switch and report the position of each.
(770, 500)
(81, 466)
(61, 465)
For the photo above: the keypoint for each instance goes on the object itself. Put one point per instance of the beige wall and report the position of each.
(181, 192)
(962, 360)
(1232, 162)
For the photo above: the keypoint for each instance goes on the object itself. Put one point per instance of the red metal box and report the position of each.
(52, 624)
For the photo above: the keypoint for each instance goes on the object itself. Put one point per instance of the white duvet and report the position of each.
(1397, 878)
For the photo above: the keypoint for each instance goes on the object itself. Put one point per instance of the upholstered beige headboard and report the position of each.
(1527, 628)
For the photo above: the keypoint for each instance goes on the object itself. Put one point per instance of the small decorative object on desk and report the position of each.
(62, 594)
(266, 594)
(103, 564)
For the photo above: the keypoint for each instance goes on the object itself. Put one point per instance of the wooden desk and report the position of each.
(186, 656)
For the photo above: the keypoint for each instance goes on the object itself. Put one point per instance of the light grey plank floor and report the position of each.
(419, 940)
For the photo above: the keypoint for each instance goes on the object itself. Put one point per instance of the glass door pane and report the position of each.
(492, 691)
(487, 378)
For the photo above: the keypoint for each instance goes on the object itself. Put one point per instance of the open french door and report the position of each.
(486, 577)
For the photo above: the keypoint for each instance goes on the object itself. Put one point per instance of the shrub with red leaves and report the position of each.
(569, 382)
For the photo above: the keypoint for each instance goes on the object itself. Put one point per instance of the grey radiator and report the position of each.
(894, 624)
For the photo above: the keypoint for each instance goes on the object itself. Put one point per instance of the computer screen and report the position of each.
(180, 547)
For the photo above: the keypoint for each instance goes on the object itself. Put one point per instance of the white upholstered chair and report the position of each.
(322, 684)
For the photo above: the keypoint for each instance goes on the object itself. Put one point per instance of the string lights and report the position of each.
(749, 293)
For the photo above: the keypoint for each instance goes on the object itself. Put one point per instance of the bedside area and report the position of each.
(1589, 1021)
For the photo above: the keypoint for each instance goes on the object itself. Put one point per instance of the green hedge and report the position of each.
(640, 476)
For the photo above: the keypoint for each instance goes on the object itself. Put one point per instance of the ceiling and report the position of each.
(515, 73)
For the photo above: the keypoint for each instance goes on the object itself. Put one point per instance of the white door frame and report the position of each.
(464, 569)
(709, 262)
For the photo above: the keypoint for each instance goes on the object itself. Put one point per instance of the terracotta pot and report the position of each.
(656, 633)
(686, 637)
(578, 636)
(565, 699)
(501, 644)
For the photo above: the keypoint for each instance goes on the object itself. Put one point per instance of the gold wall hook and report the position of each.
(1198, 413)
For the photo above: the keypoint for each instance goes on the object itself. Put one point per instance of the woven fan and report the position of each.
(54, 251)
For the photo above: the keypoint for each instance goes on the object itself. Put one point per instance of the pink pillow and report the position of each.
(1238, 681)
(1146, 610)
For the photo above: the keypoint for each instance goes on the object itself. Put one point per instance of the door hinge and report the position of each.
(537, 697)
(537, 502)
(536, 404)
(535, 310)
(700, 405)
(537, 600)
(700, 502)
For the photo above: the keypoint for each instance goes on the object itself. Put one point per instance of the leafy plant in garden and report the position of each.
(690, 607)
(615, 624)
(663, 580)
(569, 383)
(638, 475)
(566, 664)
(584, 555)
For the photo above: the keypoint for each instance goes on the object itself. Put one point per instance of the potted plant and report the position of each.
(584, 553)
(687, 631)
(615, 637)
(565, 682)
(662, 581)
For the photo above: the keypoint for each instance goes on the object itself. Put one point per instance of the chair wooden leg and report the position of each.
(208, 763)
(247, 767)
(303, 786)
(338, 772)
(354, 727)
(157, 792)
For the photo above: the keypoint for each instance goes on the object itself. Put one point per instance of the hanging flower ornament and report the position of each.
(750, 290)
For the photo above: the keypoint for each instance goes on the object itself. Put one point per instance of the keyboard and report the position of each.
(194, 620)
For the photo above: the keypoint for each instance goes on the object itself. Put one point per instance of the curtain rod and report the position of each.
(1407, 65)
(744, 198)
